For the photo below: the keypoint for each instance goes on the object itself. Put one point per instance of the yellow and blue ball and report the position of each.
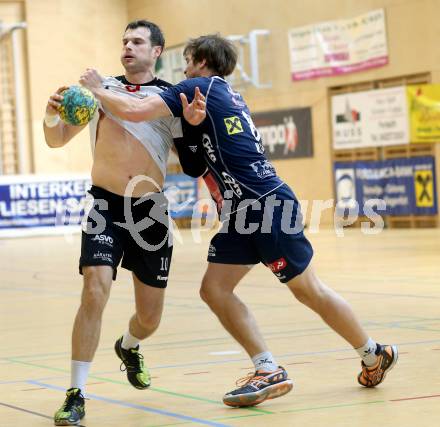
(78, 106)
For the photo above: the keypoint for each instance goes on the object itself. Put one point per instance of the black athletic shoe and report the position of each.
(371, 376)
(258, 387)
(133, 362)
(72, 410)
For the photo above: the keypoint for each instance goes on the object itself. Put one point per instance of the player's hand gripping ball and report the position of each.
(78, 106)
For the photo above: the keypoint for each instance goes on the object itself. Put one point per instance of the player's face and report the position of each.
(137, 53)
(192, 70)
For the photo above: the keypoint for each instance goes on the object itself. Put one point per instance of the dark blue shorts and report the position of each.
(255, 235)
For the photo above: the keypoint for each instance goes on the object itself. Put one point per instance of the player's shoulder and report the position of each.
(201, 82)
(162, 83)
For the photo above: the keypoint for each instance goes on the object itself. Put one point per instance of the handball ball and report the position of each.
(78, 106)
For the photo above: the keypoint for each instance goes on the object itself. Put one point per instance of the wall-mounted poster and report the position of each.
(370, 119)
(338, 47)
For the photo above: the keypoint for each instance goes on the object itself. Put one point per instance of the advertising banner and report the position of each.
(286, 133)
(424, 112)
(54, 204)
(338, 47)
(41, 204)
(370, 119)
(407, 186)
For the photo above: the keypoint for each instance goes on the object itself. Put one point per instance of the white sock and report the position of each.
(129, 341)
(78, 374)
(368, 352)
(265, 362)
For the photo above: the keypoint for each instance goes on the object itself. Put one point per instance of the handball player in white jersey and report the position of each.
(122, 151)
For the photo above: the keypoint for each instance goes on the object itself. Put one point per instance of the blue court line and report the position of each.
(39, 379)
(135, 406)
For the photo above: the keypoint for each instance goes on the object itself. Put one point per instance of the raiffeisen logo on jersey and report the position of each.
(285, 134)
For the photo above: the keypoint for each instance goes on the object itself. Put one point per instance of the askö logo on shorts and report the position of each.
(278, 265)
(103, 239)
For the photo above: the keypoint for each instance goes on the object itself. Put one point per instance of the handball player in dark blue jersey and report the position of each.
(261, 218)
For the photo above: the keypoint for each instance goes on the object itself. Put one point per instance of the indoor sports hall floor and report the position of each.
(392, 280)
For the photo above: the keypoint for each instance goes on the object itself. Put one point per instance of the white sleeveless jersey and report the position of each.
(156, 136)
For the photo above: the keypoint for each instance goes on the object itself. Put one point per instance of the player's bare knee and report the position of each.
(300, 293)
(205, 295)
(95, 290)
(210, 292)
(149, 320)
(312, 293)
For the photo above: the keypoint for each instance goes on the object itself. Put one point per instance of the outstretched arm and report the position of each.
(147, 109)
(125, 107)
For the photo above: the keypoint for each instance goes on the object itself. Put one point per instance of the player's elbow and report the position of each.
(53, 143)
(56, 141)
(194, 171)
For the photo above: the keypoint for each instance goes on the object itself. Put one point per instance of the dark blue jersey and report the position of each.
(231, 144)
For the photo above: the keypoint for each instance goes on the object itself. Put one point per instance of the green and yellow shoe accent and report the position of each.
(72, 410)
(133, 363)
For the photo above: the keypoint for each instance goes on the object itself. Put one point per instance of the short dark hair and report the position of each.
(219, 53)
(156, 35)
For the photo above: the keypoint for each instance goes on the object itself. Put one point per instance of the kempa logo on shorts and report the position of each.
(162, 278)
(233, 125)
(280, 275)
(211, 250)
(206, 141)
(103, 239)
(232, 184)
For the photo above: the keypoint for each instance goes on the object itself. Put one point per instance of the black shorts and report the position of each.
(278, 241)
(112, 230)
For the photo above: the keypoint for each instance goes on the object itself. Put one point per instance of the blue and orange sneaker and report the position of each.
(371, 376)
(258, 387)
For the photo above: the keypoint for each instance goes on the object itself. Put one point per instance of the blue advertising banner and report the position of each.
(32, 204)
(407, 186)
(54, 204)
